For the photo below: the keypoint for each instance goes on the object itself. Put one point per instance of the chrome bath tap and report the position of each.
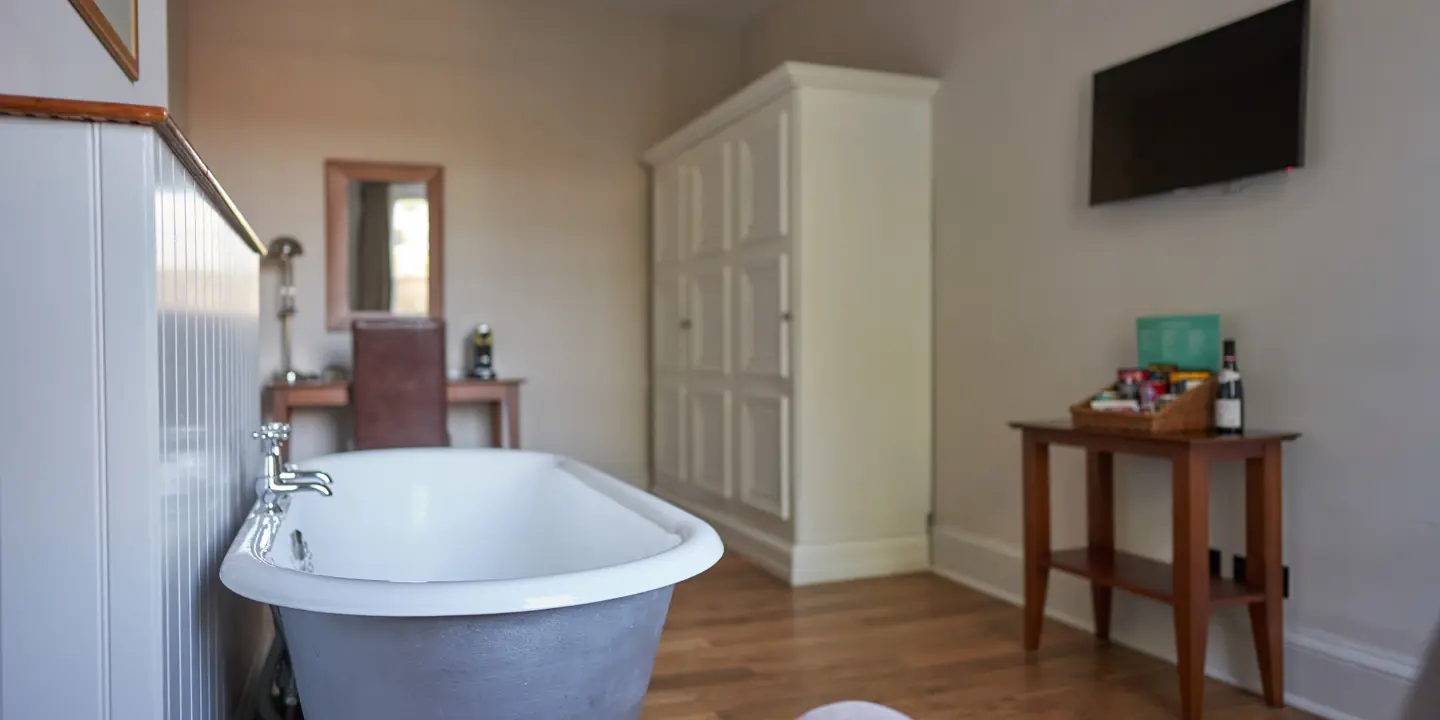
(277, 477)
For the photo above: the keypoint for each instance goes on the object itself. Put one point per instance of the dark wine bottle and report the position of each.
(1230, 403)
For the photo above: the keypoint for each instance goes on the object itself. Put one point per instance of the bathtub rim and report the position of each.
(248, 574)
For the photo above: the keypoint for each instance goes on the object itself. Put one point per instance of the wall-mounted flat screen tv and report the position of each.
(1222, 106)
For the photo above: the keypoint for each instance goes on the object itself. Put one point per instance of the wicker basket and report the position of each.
(1193, 410)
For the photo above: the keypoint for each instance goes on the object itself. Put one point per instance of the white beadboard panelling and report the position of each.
(132, 312)
(52, 596)
(131, 392)
(208, 316)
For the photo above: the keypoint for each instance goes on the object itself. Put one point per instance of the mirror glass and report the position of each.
(121, 14)
(388, 247)
(384, 241)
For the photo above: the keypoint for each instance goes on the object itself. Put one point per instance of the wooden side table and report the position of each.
(1186, 583)
(503, 397)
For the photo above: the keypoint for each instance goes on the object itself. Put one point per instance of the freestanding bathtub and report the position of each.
(442, 584)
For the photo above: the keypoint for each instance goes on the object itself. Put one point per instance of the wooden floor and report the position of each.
(740, 645)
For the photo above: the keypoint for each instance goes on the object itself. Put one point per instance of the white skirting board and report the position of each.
(815, 564)
(1324, 675)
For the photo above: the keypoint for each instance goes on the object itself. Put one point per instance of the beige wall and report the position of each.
(539, 114)
(1326, 277)
(177, 32)
(904, 36)
(47, 50)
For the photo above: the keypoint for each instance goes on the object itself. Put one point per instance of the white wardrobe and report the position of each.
(791, 329)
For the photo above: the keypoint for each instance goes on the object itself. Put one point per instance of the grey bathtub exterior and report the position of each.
(584, 662)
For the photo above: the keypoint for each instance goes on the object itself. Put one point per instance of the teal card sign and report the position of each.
(1189, 341)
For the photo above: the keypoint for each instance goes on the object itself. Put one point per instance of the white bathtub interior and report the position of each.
(403, 516)
(443, 532)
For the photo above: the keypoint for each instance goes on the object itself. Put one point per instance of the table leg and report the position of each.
(1036, 463)
(280, 405)
(512, 416)
(1100, 511)
(497, 424)
(1191, 493)
(1266, 570)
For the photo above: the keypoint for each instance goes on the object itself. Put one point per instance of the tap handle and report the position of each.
(272, 435)
(274, 430)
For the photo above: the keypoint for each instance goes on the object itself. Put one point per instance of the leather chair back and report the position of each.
(398, 392)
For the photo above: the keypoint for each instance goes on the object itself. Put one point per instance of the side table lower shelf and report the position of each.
(1142, 576)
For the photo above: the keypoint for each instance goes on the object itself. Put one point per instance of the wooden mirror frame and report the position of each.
(338, 174)
(110, 37)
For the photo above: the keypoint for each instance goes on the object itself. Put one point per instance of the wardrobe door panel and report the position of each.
(764, 327)
(763, 189)
(709, 435)
(707, 206)
(764, 456)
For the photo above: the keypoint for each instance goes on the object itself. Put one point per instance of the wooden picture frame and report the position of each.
(127, 56)
(338, 174)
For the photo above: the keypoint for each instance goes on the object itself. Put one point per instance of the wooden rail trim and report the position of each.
(170, 133)
(154, 116)
(87, 110)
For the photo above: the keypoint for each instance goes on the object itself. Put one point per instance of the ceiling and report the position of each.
(730, 13)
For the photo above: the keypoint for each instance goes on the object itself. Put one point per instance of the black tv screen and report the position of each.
(1224, 105)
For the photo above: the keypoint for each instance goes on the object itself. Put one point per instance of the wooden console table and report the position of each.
(1186, 583)
(503, 397)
